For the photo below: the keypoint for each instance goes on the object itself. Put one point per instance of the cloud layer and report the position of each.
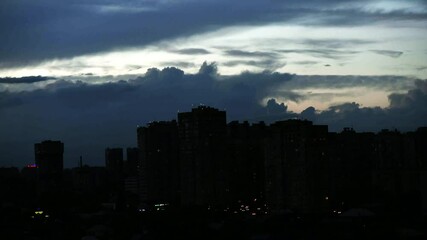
(28, 79)
(34, 31)
(89, 117)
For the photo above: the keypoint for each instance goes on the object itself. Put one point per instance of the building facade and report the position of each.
(202, 139)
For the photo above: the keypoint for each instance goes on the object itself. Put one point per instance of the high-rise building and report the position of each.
(49, 156)
(159, 162)
(114, 159)
(130, 171)
(202, 138)
(351, 158)
(421, 159)
(396, 178)
(292, 164)
(115, 182)
(50, 163)
(296, 166)
(245, 162)
(131, 165)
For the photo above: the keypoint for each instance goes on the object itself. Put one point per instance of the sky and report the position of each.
(89, 72)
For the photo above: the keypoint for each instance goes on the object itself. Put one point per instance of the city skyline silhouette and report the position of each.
(203, 166)
(213, 119)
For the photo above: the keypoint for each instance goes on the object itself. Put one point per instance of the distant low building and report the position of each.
(114, 159)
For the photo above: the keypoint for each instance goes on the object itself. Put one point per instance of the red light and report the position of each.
(31, 166)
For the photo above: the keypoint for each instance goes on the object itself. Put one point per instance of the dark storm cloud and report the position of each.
(416, 98)
(27, 79)
(40, 30)
(358, 16)
(388, 53)
(9, 100)
(352, 115)
(33, 31)
(90, 117)
(274, 108)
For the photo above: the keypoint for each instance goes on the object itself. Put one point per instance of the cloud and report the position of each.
(406, 112)
(336, 43)
(181, 64)
(414, 98)
(356, 13)
(208, 69)
(89, 117)
(305, 62)
(72, 29)
(386, 83)
(241, 53)
(287, 94)
(274, 108)
(87, 74)
(27, 79)
(353, 115)
(395, 7)
(323, 53)
(112, 9)
(271, 64)
(309, 113)
(75, 28)
(388, 53)
(7, 100)
(192, 51)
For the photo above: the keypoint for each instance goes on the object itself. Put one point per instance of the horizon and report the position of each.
(68, 165)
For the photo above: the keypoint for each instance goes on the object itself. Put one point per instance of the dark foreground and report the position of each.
(197, 224)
